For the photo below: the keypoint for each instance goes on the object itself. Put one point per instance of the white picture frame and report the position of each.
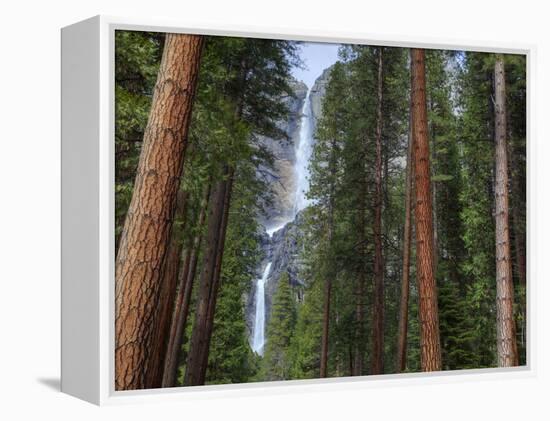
(88, 213)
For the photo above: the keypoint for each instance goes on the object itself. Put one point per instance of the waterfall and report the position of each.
(259, 318)
(303, 155)
(303, 152)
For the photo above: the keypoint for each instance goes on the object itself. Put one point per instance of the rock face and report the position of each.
(281, 176)
(283, 251)
(318, 93)
(285, 257)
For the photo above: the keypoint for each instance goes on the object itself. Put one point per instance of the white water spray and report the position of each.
(259, 321)
(303, 155)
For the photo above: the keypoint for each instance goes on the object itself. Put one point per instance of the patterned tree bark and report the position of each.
(206, 284)
(186, 278)
(146, 234)
(216, 279)
(171, 269)
(427, 289)
(506, 329)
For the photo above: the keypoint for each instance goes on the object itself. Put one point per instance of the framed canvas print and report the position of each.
(244, 210)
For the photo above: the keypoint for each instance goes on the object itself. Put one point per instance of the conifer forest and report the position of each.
(291, 210)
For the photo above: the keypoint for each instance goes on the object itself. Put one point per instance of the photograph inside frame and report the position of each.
(290, 210)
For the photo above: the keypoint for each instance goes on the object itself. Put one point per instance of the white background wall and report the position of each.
(29, 206)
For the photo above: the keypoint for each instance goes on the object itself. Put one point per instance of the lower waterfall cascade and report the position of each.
(259, 320)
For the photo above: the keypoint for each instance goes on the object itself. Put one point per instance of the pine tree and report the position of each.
(401, 362)
(138, 280)
(446, 178)
(506, 324)
(429, 327)
(305, 349)
(276, 364)
(323, 187)
(137, 59)
(516, 110)
(185, 278)
(476, 123)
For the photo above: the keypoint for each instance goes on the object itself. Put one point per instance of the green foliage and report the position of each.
(137, 58)
(231, 359)
(306, 342)
(456, 328)
(476, 199)
(277, 363)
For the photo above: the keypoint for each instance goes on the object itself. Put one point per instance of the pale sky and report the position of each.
(317, 57)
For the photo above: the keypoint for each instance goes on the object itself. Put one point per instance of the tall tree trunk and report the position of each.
(337, 359)
(359, 316)
(207, 283)
(506, 330)
(186, 279)
(517, 223)
(217, 278)
(326, 317)
(146, 234)
(197, 362)
(519, 242)
(166, 302)
(327, 290)
(405, 282)
(359, 350)
(432, 134)
(519, 239)
(377, 366)
(427, 289)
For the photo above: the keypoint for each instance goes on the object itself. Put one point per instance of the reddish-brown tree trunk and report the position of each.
(506, 330)
(146, 234)
(186, 279)
(427, 289)
(377, 366)
(217, 279)
(405, 280)
(166, 303)
(200, 336)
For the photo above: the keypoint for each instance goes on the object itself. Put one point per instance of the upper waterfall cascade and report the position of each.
(303, 155)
